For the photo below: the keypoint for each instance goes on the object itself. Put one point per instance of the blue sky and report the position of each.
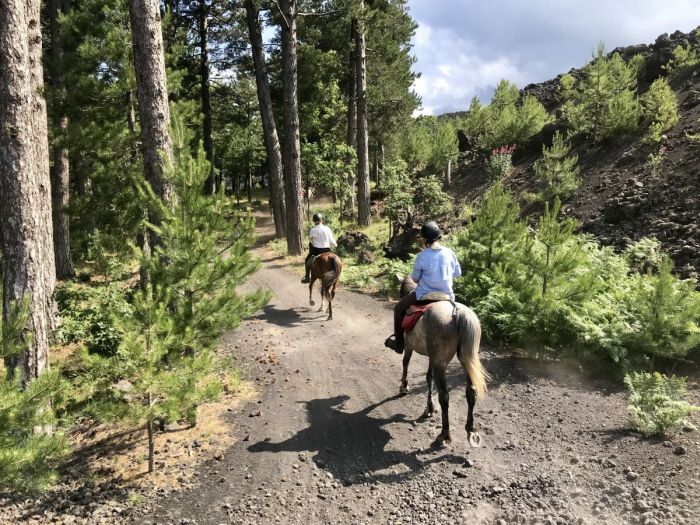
(464, 47)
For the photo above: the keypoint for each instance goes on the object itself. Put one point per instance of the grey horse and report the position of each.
(443, 331)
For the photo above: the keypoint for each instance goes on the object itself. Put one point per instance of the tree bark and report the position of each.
(363, 205)
(152, 93)
(60, 176)
(210, 186)
(29, 272)
(351, 137)
(291, 149)
(272, 143)
(448, 174)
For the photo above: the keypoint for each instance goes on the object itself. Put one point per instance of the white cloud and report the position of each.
(464, 47)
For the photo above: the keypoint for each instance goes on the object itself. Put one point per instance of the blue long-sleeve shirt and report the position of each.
(434, 270)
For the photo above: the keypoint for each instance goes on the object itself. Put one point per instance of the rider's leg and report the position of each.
(307, 267)
(399, 311)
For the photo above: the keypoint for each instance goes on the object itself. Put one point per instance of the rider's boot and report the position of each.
(395, 344)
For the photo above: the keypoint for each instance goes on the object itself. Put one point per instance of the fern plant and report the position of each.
(657, 402)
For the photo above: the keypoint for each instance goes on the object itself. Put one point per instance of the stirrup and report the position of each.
(305, 280)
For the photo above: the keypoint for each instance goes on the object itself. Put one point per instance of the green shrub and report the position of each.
(30, 451)
(393, 273)
(643, 254)
(87, 314)
(667, 313)
(603, 104)
(500, 162)
(657, 403)
(660, 109)
(683, 61)
(429, 200)
(557, 169)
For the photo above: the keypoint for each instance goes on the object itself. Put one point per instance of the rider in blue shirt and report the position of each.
(434, 270)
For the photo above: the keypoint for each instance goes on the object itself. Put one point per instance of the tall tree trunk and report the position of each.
(152, 93)
(291, 149)
(60, 176)
(363, 206)
(272, 143)
(29, 271)
(351, 137)
(210, 186)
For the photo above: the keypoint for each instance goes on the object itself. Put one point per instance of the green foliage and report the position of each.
(557, 169)
(396, 184)
(660, 109)
(429, 201)
(393, 272)
(643, 254)
(165, 366)
(684, 60)
(328, 166)
(204, 252)
(667, 313)
(603, 104)
(30, 451)
(655, 160)
(87, 315)
(657, 403)
(500, 162)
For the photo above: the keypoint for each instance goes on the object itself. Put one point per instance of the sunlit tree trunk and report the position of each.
(363, 205)
(272, 143)
(28, 268)
(291, 149)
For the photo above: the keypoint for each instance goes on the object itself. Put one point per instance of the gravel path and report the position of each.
(331, 441)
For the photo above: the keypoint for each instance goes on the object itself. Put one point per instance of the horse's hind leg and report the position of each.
(323, 298)
(444, 397)
(311, 289)
(474, 437)
(430, 408)
(330, 305)
(407, 353)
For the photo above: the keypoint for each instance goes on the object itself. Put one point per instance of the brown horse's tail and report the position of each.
(331, 274)
(468, 353)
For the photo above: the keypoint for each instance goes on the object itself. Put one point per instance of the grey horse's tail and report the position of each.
(469, 338)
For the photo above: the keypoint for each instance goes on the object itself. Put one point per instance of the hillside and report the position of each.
(620, 199)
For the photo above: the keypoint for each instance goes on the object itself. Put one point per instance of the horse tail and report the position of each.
(469, 338)
(331, 274)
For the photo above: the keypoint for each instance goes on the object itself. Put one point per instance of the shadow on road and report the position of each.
(290, 317)
(353, 445)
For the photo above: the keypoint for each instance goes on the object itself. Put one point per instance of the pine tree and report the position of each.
(430, 201)
(560, 251)
(28, 458)
(667, 312)
(166, 365)
(396, 184)
(495, 235)
(603, 104)
(660, 109)
(557, 169)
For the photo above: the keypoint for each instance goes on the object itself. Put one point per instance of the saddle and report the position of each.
(416, 311)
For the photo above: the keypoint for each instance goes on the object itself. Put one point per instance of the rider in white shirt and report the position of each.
(321, 240)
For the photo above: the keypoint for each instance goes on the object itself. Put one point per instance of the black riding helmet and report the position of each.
(317, 217)
(430, 232)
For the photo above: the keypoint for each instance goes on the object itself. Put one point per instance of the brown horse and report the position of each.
(326, 268)
(445, 330)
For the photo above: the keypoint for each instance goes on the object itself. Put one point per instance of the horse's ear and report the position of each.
(399, 277)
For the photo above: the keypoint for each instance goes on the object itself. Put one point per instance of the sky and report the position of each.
(464, 47)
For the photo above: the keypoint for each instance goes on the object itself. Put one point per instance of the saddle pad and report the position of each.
(413, 315)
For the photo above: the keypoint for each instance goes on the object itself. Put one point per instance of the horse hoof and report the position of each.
(442, 441)
(474, 439)
(428, 413)
(312, 303)
(403, 390)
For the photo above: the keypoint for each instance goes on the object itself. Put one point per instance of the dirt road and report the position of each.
(331, 441)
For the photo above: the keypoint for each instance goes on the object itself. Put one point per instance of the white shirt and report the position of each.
(321, 236)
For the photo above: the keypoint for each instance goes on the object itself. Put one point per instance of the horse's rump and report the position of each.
(326, 267)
